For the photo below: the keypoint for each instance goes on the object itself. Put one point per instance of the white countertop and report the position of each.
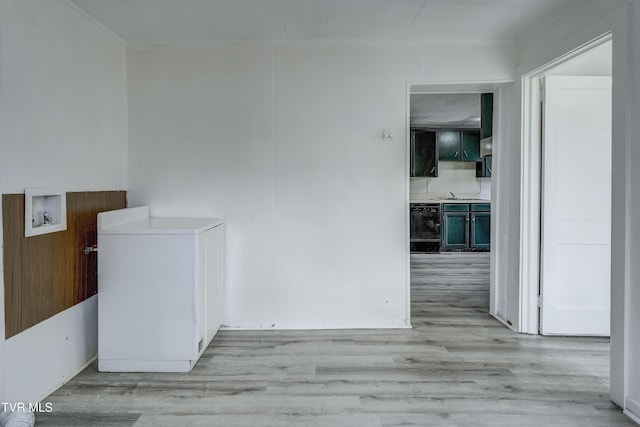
(439, 198)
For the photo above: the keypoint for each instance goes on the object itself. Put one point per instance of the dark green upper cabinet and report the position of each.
(424, 153)
(483, 168)
(486, 115)
(449, 145)
(458, 146)
(470, 146)
(487, 167)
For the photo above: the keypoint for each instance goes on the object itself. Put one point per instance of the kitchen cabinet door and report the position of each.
(483, 168)
(470, 146)
(486, 115)
(449, 145)
(480, 230)
(487, 167)
(466, 226)
(455, 230)
(424, 154)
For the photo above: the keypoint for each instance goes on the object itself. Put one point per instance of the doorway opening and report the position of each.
(441, 115)
(566, 209)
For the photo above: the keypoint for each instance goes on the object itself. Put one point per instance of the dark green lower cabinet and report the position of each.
(466, 226)
(480, 230)
(455, 226)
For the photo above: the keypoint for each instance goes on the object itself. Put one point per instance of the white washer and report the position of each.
(160, 290)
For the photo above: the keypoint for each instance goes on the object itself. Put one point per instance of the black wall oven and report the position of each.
(425, 227)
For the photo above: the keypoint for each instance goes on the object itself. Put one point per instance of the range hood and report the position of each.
(486, 146)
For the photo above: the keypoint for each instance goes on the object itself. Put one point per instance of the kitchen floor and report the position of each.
(457, 367)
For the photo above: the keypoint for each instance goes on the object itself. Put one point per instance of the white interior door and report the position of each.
(575, 281)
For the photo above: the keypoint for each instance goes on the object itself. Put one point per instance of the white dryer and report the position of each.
(160, 290)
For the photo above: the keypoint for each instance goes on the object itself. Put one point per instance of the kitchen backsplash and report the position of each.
(458, 177)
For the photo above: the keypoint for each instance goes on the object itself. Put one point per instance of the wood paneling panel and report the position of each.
(68, 256)
(47, 274)
(13, 232)
(97, 202)
(37, 279)
(92, 207)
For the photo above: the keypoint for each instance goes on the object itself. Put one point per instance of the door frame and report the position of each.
(498, 289)
(3, 352)
(531, 188)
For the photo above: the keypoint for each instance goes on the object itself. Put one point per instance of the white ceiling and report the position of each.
(445, 110)
(211, 21)
(202, 21)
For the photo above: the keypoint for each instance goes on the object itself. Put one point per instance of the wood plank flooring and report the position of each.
(457, 367)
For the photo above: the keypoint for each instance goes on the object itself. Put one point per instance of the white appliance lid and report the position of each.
(163, 226)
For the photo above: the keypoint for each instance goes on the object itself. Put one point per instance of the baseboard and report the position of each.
(67, 379)
(632, 409)
(320, 326)
(42, 358)
(504, 322)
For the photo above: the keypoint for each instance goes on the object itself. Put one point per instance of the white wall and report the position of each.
(632, 231)
(63, 123)
(504, 210)
(568, 31)
(284, 142)
(458, 177)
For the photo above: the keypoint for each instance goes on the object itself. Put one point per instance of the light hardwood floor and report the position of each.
(457, 367)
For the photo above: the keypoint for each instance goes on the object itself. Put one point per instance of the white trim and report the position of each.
(215, 44)
(3, 364)
(499, 318)
(530, 206)
(530, 186)
(407, 193)
(458, 87)
(342, 325)
(68, 378)
(632, 409)
(495, 285)
(628, 108)
(42, 358)
(496, 87)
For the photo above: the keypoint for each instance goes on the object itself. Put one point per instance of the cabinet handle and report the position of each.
(489, 169)
(465, 154)
(434, 169)
(457, 152)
